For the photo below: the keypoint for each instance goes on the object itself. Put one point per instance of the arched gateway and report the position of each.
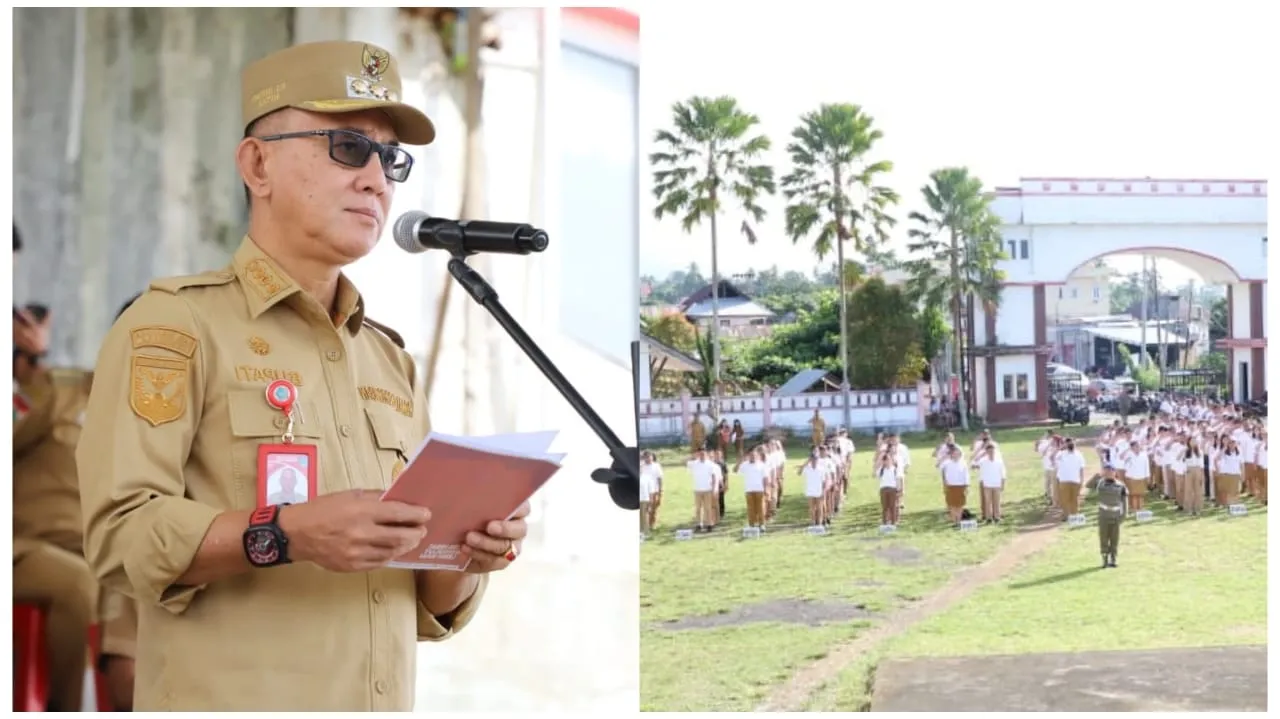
(1054, 226)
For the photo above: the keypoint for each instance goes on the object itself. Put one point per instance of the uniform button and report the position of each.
(345, 430)
(380, 687)
(333, 355)
(279, 422)
(378, 596)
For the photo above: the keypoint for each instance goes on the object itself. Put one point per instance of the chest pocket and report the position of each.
(392, 438)
(253, 424)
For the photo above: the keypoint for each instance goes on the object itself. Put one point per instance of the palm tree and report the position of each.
(710, 156)
(834, 197)
(957, 245)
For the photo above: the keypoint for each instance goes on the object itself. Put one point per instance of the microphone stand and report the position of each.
(623, 477)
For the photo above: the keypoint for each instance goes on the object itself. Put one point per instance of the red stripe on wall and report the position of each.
(615, 17)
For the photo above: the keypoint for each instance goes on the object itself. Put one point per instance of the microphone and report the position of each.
(416, 231)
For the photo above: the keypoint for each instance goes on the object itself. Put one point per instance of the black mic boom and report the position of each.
(417, 231)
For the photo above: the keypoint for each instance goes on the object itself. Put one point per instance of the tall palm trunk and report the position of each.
(957, 311)
(841, 233)
(715, 305)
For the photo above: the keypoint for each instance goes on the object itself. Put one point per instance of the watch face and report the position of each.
(262, 547)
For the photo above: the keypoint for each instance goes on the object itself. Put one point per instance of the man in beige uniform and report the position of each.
(179, 411)
(48, 559)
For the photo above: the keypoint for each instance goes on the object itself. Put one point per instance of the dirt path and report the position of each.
(796, 692)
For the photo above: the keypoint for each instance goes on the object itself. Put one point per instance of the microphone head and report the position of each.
(405, 231)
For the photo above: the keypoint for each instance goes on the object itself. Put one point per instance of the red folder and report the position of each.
(466, 483)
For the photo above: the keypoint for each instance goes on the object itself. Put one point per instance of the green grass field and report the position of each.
(1180, 583)
(731, 668)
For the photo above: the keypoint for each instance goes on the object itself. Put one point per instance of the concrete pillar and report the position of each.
(686, 412)
(767, 408)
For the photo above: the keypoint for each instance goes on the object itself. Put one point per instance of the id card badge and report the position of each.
(286, 471)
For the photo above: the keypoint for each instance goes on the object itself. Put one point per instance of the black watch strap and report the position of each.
(265, 544)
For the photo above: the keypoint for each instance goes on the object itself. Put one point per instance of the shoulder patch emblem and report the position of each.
(158, 388)
(259, 346)
(264, 279)
(166, 338)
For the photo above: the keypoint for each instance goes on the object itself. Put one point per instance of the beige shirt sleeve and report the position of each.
(141, 532)
(119, 625)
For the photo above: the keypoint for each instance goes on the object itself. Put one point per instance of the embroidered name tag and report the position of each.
(267, 375)
(395, 401)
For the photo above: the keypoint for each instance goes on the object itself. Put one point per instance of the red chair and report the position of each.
(30, 658)
(101, 694)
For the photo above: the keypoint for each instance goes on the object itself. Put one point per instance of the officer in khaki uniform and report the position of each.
(48, 561)
(244, 606)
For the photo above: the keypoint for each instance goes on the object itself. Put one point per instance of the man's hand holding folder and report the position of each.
(477, 490)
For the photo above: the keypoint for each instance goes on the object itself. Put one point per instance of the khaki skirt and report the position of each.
(955, 496)
(1137, 487)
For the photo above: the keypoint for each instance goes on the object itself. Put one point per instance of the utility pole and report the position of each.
(1162, 319)
(1145, 289)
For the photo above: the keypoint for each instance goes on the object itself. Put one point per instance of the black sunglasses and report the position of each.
(354, 150)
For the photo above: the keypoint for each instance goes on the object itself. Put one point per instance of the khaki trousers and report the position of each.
(63, 582)
(755, 509)
(706, 508)
(1069, 497)
(991, 502)
(1193, 489)
(1226, 488)
(644, 517)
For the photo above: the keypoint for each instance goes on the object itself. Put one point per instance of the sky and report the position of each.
(1009, 89)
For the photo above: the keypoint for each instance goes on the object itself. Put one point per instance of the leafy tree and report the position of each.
(932, 324)
(1215, 361)
(708, 157)
(884, 329)
(811, 342)
(834, 193)
(1218, 320)
(957, 245)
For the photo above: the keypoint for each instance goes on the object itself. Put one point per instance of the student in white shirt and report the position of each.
(1193, 485)
(650, 488)
(831, 491)
(903, 456)
(705, 503)
(1120, 455)
(991, 477)
(1227, 479)
(887, 477)
(1135, 473)
(1070, 474)
(1178, 468)
(955, 483)
(1249, 450)
(655, 495)
(779, 462)
(815, 487)
(1043, 445)
(755, 471)
(1261, 462)
(846, 454)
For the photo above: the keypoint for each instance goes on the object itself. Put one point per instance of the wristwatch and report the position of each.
(264, 542)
